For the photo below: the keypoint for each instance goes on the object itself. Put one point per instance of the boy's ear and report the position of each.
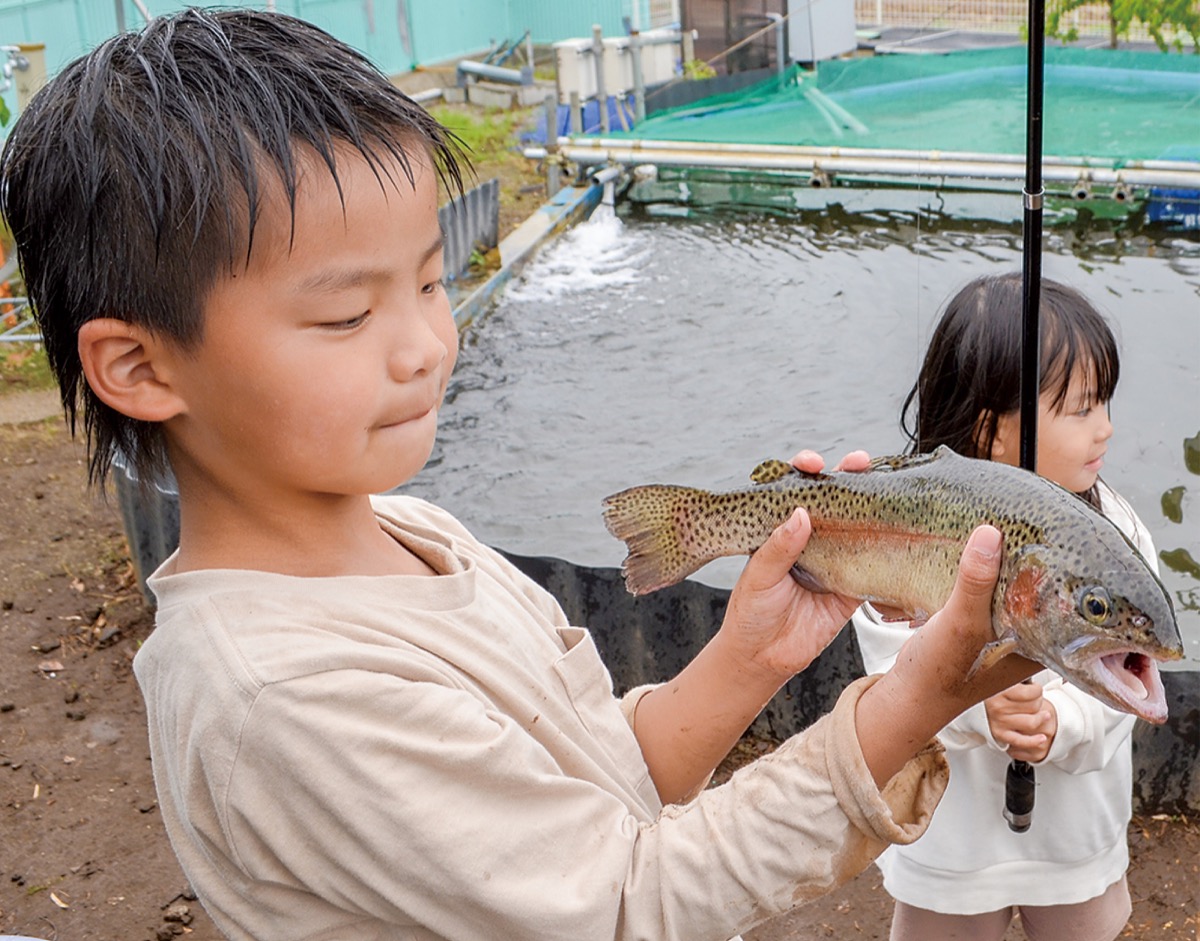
(125, 366)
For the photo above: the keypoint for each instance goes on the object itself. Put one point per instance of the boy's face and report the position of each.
(324, 362)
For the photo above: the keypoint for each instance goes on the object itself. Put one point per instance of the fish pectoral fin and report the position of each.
(807, 580)
(770, 471)
(993, 653)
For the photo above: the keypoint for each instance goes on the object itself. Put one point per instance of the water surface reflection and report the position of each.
(647, 349)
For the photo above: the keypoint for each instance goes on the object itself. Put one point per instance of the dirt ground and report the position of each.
(83, 854)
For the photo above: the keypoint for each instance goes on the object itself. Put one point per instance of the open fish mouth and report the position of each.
(1133, 681)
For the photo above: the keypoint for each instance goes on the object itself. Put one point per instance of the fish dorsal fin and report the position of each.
(770, 471)
(901, 461)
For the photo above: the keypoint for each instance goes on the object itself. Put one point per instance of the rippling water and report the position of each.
(642, 348)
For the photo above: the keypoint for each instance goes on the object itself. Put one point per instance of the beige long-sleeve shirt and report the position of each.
(443, 758)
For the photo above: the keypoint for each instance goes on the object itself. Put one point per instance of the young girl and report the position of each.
(969, 873)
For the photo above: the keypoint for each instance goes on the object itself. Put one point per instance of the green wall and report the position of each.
(398, 35)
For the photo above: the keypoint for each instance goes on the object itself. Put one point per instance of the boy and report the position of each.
(364, 724)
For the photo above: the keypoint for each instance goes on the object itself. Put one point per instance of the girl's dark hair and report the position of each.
(972, 370)
(134, 179)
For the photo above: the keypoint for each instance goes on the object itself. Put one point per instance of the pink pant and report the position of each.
(1098, 919)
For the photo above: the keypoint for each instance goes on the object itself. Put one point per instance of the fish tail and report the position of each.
(654, 523)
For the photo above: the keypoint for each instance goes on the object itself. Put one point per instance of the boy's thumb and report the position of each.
(774, 558)
(979, 566)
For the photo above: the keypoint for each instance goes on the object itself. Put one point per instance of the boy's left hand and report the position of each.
(774, 625)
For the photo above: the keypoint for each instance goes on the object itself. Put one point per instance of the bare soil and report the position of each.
(83, 854)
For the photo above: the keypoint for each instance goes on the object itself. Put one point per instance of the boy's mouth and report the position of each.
(396, 421)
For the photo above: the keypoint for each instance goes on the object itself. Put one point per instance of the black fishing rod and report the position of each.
(1019, 783)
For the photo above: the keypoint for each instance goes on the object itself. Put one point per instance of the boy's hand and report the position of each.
(772, 624)
(939, 656)
(928, 686)
(812, 463)
(1023, 720)
(773, 629)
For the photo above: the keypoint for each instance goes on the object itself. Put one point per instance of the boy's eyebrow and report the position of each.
(330, 280)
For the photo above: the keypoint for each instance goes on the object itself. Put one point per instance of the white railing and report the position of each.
(1000, 16)
(16, 321)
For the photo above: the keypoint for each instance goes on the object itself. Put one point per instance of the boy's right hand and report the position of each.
(940, 654)
(929, 684)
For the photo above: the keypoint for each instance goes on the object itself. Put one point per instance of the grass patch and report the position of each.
(488, 135)
(23, 368)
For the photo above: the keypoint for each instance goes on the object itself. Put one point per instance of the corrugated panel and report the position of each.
(445, 30)
(469, 221)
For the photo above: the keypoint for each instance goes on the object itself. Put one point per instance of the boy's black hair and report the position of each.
(971, 375)
(135, 178)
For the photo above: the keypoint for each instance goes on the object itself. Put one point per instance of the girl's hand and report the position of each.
(772, 625)
(1022, 720)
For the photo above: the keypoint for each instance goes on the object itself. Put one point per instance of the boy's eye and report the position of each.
(433, 287)
(348, 324)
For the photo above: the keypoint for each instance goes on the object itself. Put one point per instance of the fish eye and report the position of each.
(1095, 604)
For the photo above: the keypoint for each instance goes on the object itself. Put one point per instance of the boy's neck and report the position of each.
(329, 536)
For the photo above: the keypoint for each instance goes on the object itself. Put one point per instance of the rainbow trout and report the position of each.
(1074, 593)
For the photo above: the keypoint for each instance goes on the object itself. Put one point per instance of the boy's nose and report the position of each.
(415, 358)
(415, 350)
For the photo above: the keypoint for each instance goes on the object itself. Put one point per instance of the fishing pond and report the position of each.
(655, 345)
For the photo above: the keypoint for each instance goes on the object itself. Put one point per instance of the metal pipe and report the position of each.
(846, 160)
(601, 143)
(639, 84)
(601, 90)
(780, 42)
(660, 38)
(553, 166)
(494, 72)
(607, 175)
(576, 112)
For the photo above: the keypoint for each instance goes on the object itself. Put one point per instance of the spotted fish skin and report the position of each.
(1073, 592)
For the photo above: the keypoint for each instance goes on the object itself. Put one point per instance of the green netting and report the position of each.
(1106, 104)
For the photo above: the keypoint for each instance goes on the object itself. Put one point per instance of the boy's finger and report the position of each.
(854, 461)
(979, 568)
(808, 461)
(970, 605)
(965, 621)
(812, 463)
(773, 560)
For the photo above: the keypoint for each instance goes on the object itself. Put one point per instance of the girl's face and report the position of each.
(1071, 441)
